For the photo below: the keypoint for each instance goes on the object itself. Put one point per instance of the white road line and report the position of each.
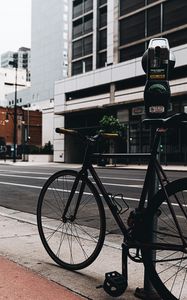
(49, 174)
(23, 176)
(26, 172)
(22, 185)
(121, 178)
(39, 187)
(123, 185)
(45, 178)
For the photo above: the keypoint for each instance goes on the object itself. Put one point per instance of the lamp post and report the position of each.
(15, 65)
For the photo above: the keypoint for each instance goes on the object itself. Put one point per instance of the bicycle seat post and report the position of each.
(89, 143)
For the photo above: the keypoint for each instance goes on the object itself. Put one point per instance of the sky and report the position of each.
(15, 24)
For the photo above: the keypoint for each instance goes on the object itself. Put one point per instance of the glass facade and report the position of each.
(102, 34)
(82, 36)
(141, 20)
(81, 6)
(138, 21)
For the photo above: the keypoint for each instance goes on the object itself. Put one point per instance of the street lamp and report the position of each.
(15, 65)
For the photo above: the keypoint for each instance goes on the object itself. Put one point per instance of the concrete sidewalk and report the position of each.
(27, 272)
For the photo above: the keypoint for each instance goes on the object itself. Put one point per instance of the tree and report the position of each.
(111, 124)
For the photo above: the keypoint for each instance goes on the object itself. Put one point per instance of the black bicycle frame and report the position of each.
(87, 166)
(153, 166)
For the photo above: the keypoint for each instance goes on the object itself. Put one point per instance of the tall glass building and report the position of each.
(106, 42)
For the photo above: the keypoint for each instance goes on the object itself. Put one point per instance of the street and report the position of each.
(19, 190)
(20, 186)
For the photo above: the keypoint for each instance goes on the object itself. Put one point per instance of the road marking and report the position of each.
(25, 177)
(45, 178)
(26, 172)
(39, 187)
(120, 178)
(22, 185)
(123, 185)
(42, 173)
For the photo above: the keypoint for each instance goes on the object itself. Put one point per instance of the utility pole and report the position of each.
(15, 65)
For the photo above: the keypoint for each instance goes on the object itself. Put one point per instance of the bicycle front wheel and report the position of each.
(167, 266)
(73, 241)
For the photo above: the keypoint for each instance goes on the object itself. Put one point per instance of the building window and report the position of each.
(77, 8)
(81, 66)
(132, 28)
(154, 20)
(140, 25)
(127, 6)
(77, 49)
(77, 28)
(88, 24)
(103, 17)
(88, 5)
(101, 59)
(77, 68)
(151, 1)
(102, 34)
(88, 64)
(81, 6)
(102, 2)
(174, 14)
(88, 45)
(82, 47)
(83, 26)
(132, 52)
(102, 39)
(177, 38)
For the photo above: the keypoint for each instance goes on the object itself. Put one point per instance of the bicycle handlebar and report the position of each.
(170, 122)
(91, 139)
(109, 135)
(66, 131)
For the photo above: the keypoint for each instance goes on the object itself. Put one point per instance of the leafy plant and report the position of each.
(111, 124)
(46, 149)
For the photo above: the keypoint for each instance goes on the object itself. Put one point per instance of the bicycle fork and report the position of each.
(72, 216)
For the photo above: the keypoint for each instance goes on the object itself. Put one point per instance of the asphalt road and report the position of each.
(20, 186)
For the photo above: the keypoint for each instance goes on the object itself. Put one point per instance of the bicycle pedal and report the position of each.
(115, 284)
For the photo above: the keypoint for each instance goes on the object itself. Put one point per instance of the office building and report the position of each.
(49, 45)
(22, 57)
(7, 84)
(106, 43)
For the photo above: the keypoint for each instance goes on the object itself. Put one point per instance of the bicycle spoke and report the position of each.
(69, 238)
(168, 268)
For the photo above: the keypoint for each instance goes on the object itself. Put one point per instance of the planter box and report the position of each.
(42, 158)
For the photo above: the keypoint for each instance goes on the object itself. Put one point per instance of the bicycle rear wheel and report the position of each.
(73, 243)
(167, 269)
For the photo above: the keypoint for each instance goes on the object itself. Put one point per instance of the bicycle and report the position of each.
(70, 204)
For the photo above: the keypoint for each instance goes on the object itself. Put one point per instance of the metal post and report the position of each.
(148, 292)
(15, 114)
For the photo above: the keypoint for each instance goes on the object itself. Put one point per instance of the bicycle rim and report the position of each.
(72, 243)
(168, 268)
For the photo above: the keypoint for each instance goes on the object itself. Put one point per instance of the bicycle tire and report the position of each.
(82, 237)
(167, 269)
